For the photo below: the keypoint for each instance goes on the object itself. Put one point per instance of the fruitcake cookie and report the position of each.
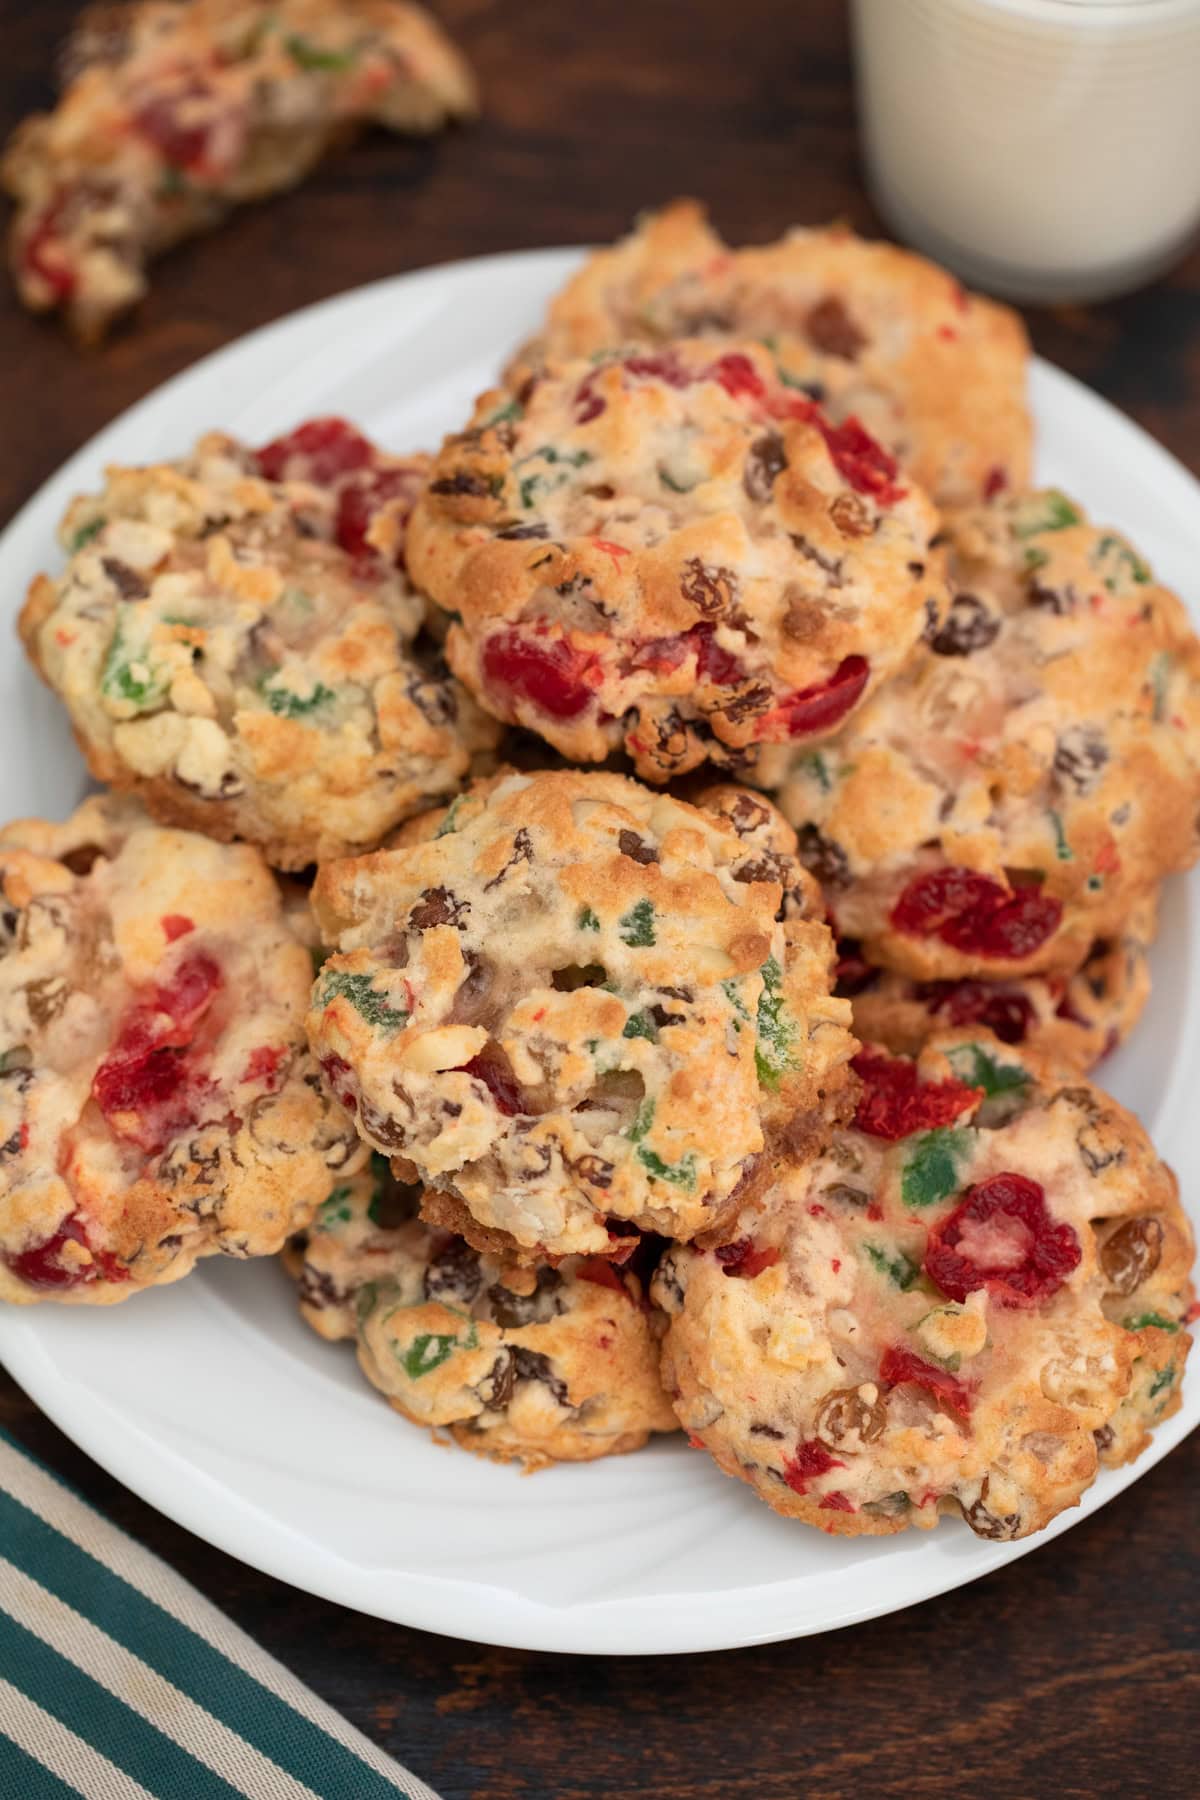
(1031, 776)
(233, 639)
(171, 114)
(575, 1013)
(157, 1099)
(978, 1291)
(537, 1365)
(1071, 1021)
(873, 332)
(675, 554)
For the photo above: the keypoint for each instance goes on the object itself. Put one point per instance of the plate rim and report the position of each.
(161, 1475)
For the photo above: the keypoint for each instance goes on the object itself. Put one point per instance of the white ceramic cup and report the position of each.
(1046, 149)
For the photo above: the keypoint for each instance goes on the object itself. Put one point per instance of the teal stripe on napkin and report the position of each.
(129, 1683)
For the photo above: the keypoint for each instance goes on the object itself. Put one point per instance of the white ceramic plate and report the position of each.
(214, 1402)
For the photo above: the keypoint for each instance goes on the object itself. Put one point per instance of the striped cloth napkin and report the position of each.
(118, 1681)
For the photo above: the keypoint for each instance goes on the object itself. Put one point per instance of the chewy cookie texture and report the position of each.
(973, 1298)
(554, 1364)
(173, 111)
(236, 640)
(158, 1099)
(571, 1005)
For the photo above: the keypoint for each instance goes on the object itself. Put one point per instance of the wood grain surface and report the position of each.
(1077, 1671)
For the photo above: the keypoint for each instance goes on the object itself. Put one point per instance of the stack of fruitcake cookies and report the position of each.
(628, 905)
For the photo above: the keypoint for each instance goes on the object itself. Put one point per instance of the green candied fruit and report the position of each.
(1062, 849)
(432, 1348)
(129, 674)
(641, 1025)
(307, 55)
(588, 920)
(732, 990)
(504, 415)
(636, 927)
(359, 990)
(1118, 564)
(87, 532)
(288, 705)
(775, 1051)
(336, 1210)
(529, 484)
(1140, 1322)
(931, 1168)
(669, 481)
(1164, 1379)
(814, 764)
(972, 1064)
(1160, 673)
(449, 824)
(900, 1270)
(1047, 511)
(681, 1174)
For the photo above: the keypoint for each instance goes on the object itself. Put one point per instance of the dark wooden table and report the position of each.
(1074, 1673)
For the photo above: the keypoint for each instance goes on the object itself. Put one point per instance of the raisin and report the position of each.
(765, 460)
(128, 583)
(743, 1259)
(461, 482)
(968, 626)
(1132, 1253)
(636, 848)
(895, 1102)
(1079, 757)
(1024, 1255)
(851, 517)
(987, 1524)
(454, 1274)
(531, 1365)
(846, 1413)
(830, 328)
(492, 1068)
(438, 906)
(824, 859)
(495, 1390)
(712, 591)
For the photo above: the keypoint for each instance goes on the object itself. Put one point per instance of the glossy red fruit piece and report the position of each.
(1001, 1237)
(838, 1502)
(742, 1258)
(40, 1266)
(895, 1102)
(340, 1080)
(863, 463)
(547, 672)
(900, 1367)
(975, 914)
(55, 271)
(1007, 1014)
(663, 366)
(819, 708)
(713, 662)
(147, 1087)
(854, 974)
(738, 376)
(164, 123)
(810, 1460)
(176, 925)
(499, 1081)
(367, 494)
(320, 451)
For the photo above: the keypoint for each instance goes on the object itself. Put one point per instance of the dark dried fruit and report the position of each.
(824, 859)
(829, 327)
(1079, 756)
(846, 1413)
(712, 591)
(968, 626)
(437, 906)
(1132, 1253)
(765, 460)
(454, 1274)
(636, 848)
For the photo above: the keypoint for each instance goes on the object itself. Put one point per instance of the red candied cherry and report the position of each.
(713, 662)
(819, 708)
(145, 1087)
(54, 269)
(547, 672)
(1001, 1237)
(1007, 1015)
(664, 366)
(41, 1266)
(895, 1102)
(162, 122)
(499, 1081)
(600, 1271)
(744, 1259)
(810, 1460)
(900, 1368)
(975, 914)
(738, 376)
(320, 451)
(361, 499)
(863, 463)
